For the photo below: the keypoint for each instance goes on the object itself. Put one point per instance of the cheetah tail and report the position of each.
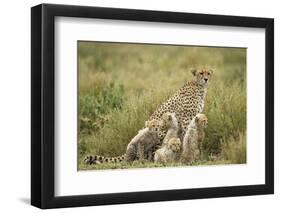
(97, 159)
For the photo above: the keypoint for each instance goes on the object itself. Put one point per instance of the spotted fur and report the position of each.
(186, 102)
(98, 159)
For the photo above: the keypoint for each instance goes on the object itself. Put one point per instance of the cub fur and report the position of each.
(193, 139)
(143, 144)
(171, 146)
(170, 123)
(169, 152)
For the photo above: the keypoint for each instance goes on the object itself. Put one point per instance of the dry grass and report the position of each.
(235, 149)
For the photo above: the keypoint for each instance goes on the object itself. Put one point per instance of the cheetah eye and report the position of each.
(208, 73)
(201, 73)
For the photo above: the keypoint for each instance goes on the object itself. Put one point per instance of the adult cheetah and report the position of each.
(187, 102)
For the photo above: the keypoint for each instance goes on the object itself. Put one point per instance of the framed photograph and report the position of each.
(139, 106)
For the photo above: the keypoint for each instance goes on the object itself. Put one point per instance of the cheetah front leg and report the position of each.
(140, 152)
(150, 155)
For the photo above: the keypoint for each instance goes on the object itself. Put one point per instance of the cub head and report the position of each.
(153, 125)
(170, 120)
(202, 75)
(174, 144)
(201, 120)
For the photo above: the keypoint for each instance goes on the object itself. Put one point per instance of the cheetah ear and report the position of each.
(211, 71)
(193, 71)
(146, 124)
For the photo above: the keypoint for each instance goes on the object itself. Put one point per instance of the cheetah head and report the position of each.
(170, 120)
(153, 125)
(202, 76)
(201, 120)
(174, 144)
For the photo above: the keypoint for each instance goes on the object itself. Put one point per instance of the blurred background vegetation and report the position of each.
(120, 85)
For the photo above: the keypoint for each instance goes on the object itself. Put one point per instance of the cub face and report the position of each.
(169, 120)
(174, 144)
(202, 75)
(153, 125)
(201, 120)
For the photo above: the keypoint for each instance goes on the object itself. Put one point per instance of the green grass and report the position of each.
(94, 105)
(120, 85)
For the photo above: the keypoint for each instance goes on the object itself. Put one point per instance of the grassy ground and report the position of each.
(120, 85)
(137, 164)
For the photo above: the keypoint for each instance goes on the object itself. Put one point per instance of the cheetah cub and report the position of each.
(170, 122)
(169, 152)
(171, 146)
(193, 139)
(143, 144)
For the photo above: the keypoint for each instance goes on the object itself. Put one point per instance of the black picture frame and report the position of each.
(43, 105)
